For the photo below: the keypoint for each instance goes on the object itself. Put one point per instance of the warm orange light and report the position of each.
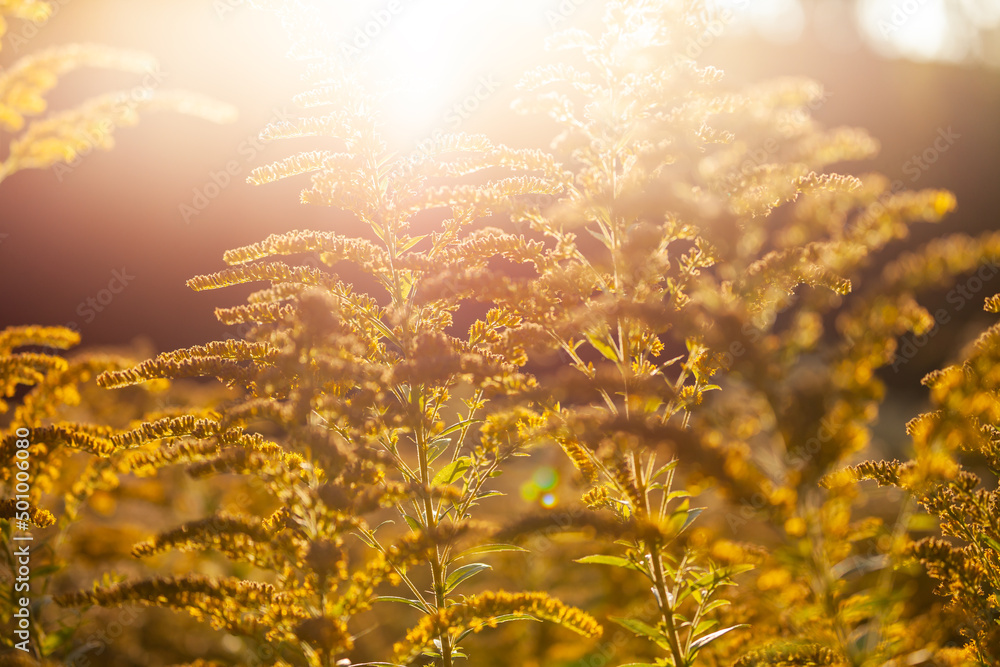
(436, 55)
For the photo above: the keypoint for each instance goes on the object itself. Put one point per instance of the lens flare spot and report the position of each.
(546, 478)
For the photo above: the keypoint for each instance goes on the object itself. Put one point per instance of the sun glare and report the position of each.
(436, 54)
(912, 29)
(778, 20)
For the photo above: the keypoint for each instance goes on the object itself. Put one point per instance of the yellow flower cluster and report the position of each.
(485, 610)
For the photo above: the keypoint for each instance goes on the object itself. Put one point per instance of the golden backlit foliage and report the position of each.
(676, 295)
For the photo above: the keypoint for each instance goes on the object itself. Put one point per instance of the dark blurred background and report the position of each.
(909, 71)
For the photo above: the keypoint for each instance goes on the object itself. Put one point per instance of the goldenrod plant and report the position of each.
(373, 404)
(677, 293)
(953, 445)
(58, 457)
(47, 427)
(701, 323)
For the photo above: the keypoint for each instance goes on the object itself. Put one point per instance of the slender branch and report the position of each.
(656, 566)
(430, 520)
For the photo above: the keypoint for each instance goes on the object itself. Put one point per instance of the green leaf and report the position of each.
(414, 525)
(364, 538)
(667, 467)
(54, 640)
(488, 548)
(384, 330)
(405, 283)
(452, 472)
(599, 236)
(682, 517)
(413, 603)
(715, 604)
(409, 244)
(616, 561)
(991, 543)
(692, 514)
(457, 427)
(705, 626)
(643, 630)
(701, 642)
(603, 347)
(506, 618)
(45, 570)
(733, 570)
(463, 573)
(436, 448)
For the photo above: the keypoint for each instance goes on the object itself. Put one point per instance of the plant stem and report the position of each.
(420, 437)
(430, 519)
(666, 609)
(656, 565)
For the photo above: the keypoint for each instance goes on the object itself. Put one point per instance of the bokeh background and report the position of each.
(923, 76)
(171, 197)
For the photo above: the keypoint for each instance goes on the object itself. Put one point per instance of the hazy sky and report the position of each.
(109, 243)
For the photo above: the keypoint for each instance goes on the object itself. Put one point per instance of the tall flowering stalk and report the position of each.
(694, 265)
(376, 408)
